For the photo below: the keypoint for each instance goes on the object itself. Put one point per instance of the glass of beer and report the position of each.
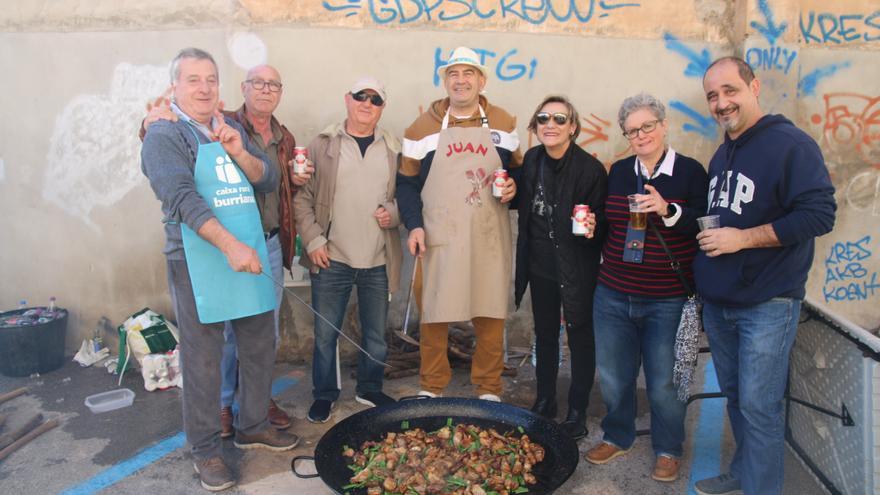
(638, 218)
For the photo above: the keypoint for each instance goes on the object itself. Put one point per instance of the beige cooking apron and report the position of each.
(467, 263)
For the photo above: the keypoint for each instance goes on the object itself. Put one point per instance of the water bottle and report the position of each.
(51, 308)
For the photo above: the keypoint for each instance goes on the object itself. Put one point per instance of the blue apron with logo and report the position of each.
(220, 292)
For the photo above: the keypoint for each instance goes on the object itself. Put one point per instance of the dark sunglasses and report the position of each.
(362, 96)
(544, 117)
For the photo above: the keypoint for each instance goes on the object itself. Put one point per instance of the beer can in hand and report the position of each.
(500, 177)
(300, 159)
(579, 220)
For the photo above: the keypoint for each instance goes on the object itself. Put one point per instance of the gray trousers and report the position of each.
(201, 348)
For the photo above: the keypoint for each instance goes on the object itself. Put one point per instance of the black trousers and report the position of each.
(546, 304)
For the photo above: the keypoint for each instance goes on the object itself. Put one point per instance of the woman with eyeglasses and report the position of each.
(639, 298)
(560, 267)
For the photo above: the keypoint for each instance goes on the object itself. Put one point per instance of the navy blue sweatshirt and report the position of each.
(775, 174)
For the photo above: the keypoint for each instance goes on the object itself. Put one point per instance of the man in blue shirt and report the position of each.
(769, 185)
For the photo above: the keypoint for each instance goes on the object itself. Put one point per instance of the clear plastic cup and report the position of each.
(709, 222)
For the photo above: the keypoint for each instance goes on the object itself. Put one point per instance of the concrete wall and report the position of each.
(81, 222)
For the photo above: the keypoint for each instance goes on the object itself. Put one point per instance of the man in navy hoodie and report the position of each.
(769, 185)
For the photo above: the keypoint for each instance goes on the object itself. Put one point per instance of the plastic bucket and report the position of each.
(29, 349)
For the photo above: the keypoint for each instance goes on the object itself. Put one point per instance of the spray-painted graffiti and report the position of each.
(771, 58)
(852, 121)
(808, 82)
(93, 151)
(534, 12)
(846, 278)
(507, 67)
(825, 27)
(862, 193)
(703, 125)
(697, 62)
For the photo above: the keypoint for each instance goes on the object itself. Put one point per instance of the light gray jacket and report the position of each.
(313, 202)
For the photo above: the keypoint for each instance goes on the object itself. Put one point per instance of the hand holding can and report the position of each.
(500, 177)
(300, 159)
(579, 220)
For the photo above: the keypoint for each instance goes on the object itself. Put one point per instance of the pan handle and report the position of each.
(302, 458)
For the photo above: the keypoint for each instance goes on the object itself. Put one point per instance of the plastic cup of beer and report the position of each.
(709, 222)
(638, 218)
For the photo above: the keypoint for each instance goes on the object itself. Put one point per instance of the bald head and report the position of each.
(262, 90)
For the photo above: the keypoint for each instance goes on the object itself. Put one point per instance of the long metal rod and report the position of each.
(319, 315)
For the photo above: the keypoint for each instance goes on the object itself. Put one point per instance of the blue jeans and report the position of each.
(630, 330)
(750, 348)
(229, 362)
(331, 289)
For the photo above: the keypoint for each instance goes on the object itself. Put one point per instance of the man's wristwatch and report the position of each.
(671, 210)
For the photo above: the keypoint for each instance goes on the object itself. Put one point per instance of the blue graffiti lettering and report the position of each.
(807, 85)
(770, 30)
(531, 11)
(853, 291)
(772, 58)
(704, 125)
(697, 62)
(846, 279)
(837, 29)
(505, 68)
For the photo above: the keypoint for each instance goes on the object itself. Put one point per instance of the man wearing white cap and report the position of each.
(460, 232)
(347, 218)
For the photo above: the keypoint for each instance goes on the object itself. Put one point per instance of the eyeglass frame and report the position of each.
(556, 117)
(634, 133)
(259, 85)
(362, 96)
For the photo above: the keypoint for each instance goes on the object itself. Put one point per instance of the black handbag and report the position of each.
(687, 338)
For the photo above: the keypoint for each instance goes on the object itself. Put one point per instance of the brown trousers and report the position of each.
(488, 360)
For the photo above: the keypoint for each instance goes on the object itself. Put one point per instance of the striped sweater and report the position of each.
(686, 187)
(420, 142)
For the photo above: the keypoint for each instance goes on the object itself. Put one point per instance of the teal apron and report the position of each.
(220, 292)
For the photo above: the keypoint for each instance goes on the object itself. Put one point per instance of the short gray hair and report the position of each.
(190, 52)
(637, 102)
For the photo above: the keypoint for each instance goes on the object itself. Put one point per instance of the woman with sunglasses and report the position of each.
(560, 267)
(639, 298)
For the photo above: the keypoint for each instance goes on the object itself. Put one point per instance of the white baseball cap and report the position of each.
(369, 82)
(463, 56)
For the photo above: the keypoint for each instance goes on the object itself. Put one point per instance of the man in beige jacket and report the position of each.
(347, 218)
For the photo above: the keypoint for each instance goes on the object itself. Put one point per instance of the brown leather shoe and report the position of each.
(277, 417)
(666, 468)
(604, 452)
(226, 429)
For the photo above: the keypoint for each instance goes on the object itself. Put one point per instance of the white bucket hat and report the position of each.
(463, 56)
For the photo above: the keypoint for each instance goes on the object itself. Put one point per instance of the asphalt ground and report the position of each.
(141, 449)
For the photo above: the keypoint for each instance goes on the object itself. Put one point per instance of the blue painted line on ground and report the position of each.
(706, 455)
(121, 470)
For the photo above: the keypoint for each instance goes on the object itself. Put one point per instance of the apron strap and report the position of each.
(483, 120)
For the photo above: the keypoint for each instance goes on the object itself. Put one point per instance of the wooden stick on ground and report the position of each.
(11, 395)
(14, 435)
(32, 434)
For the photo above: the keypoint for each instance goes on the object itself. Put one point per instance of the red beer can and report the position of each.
(498, 183)
(300, 158)
(579, 219)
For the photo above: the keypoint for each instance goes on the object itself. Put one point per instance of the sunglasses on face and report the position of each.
(362, 96)
(544, 117)
(646, 128)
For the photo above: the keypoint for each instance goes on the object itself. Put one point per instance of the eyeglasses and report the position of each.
(544, 117)
(259, 84)
(646, 128)
(362, 96)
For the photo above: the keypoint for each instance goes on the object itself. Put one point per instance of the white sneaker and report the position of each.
(490, 397)
(431, 395)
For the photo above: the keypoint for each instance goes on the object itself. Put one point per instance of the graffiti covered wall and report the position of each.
(84, 224)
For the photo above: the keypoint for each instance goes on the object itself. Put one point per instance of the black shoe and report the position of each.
(374, 399)
(545, 406)
(320, 411)
(575, 424)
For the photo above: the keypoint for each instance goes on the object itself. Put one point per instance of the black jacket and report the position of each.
(580, 179)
